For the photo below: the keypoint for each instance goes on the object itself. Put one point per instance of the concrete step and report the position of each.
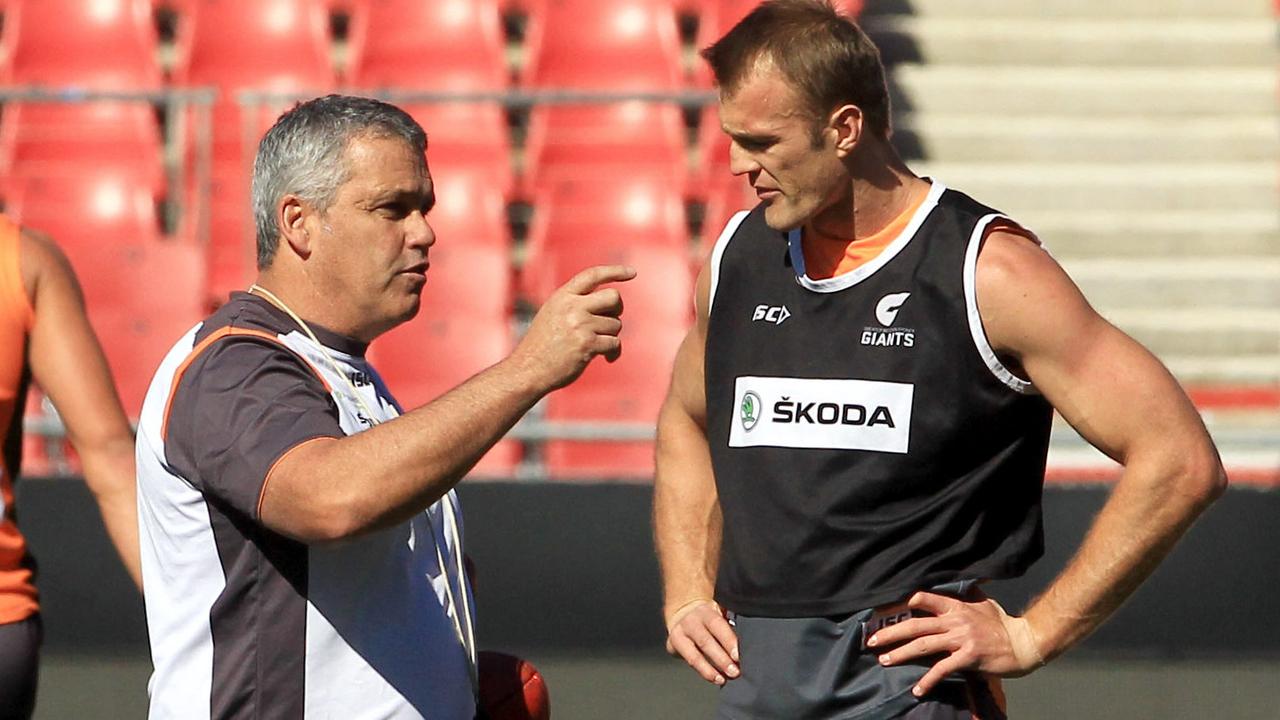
(1107, 42)
(1203, 330)
(1154, 9)
(1207, 369)
(1184, 283)
(1022, 188)
(1245, 430)
(1147, 233)
(1083, 91)
(993, 137)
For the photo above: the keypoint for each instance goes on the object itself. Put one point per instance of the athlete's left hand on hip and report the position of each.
(968, 635)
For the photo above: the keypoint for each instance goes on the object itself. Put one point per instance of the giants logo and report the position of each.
(887, 313)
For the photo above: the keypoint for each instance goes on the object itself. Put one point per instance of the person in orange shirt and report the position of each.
(45, 336)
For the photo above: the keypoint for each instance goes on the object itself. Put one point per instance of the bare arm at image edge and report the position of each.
(68, 364)
(1121, 399)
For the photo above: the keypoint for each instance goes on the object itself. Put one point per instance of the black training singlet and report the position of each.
(866, 440)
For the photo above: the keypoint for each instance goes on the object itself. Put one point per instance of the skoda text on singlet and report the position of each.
(821, 414)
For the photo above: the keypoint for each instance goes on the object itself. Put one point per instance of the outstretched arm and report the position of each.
(334, 488)
(1123, 401)
(686, 515)
(68, 364)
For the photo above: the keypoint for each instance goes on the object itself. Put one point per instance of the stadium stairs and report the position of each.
(1140, 141)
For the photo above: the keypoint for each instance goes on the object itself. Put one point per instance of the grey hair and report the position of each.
(302, 154)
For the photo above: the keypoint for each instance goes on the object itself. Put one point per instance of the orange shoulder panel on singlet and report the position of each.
(18, 599)
(825, 258)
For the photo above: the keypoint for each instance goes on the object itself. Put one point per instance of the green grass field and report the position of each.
(652, 686)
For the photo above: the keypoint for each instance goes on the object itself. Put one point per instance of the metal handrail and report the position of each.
(176, 101)
(515, 99)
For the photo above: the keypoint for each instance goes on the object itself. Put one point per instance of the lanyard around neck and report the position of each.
(463, 627)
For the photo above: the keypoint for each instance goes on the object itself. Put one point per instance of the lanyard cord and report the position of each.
(463, 627)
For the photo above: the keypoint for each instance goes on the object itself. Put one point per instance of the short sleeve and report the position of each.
(237, 409)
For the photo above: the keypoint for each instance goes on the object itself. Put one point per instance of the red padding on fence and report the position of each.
(1245, 397)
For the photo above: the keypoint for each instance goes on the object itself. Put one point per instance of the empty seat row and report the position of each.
(144, 290)
(280, 45)
(285, 44)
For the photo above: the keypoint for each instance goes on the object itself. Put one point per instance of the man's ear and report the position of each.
(846, 120)
(291, 213)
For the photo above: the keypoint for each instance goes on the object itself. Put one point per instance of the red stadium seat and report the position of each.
(97, 208)
(628, 137)
(463, 327)
(256, 44)
(469, 210)
(468, 139)
(231, 250)
(661, 293)
(596, 214)
(713, 147)
(622, 45)
(658, 301)
(101, 44)
(166, 301)
(278, 46)
(141, 292)
(440, 44)
(60, 139)
(629, 390)
(725, 197)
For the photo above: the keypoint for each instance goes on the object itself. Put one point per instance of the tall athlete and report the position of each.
(47, 337)
(301, 541)
(856, 430)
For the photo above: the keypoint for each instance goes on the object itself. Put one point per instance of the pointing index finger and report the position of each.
(589, 279)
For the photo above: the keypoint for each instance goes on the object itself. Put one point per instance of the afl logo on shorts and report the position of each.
(750, 410)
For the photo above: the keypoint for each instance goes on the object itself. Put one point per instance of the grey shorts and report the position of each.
(818, 669)
(19, 667)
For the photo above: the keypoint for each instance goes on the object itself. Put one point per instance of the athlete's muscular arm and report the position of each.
(335, 488)
(67, 363)
(1124, 402)
(686, 514)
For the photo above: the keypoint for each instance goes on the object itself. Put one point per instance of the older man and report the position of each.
(301, 541)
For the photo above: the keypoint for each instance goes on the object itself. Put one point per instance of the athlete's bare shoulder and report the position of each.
(41, 260)
(1024, 295)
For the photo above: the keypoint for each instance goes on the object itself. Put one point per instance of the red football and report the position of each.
(511, 688)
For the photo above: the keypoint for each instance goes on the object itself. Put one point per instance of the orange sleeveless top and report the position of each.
(18, 599)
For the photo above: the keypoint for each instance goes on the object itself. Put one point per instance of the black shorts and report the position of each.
(19, 667)
(818, 669)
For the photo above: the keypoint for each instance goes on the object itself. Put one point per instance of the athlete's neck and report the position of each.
(881, 190)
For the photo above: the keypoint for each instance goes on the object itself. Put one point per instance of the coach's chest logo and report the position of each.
(887, 314)
(774, 314)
